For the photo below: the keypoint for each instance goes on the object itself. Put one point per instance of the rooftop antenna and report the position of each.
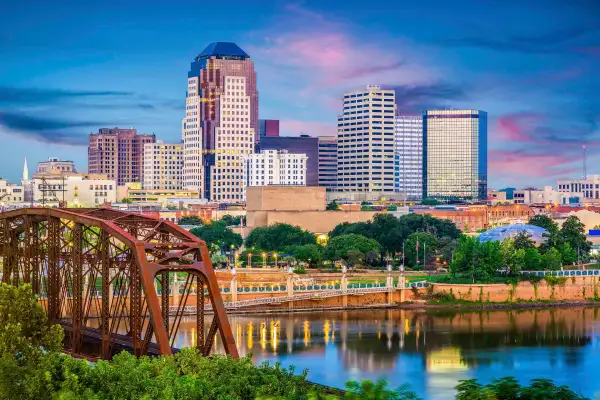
(584, 163)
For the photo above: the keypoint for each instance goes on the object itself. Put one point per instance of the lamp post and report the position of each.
(264, 257)
(249, 260)
(275, 257)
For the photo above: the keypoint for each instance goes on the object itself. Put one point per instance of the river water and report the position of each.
(428, 349)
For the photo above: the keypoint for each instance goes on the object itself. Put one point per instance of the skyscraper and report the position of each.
(118, 153)
(366, 140)
(302, 144)
(455, 155)
(269, 127)
(328, 162)
(408, 159)
(163, 164)
(221, 122)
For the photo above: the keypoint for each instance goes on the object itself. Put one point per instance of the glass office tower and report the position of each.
(455, 155)
(408, 156)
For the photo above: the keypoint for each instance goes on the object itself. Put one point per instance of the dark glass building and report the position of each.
(302, 144)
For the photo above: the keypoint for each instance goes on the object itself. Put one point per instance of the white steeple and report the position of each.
(25, 171)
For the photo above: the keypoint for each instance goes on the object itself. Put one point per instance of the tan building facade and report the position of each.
(73, 190)
(163, 166)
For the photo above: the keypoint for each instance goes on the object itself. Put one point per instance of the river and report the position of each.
(430, 350)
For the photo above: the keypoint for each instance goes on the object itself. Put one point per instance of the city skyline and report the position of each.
(101, 68)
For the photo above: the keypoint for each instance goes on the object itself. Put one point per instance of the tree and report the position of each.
(419, 248)
(392, 208)
(532, 260)
(367, 207)
(551, 260)
(509, 389)
(279, 237)
(568, 255)
(310, 253)
(377, 391)
(573, 233)
(430, 202)
(523, 241)
(126, 200)
(25, 339)
(553, 235)
(218, 260)
(217, 234)
(232, 221)
(487, 259)
(350, 248)
(190, 220)
(333, 206)
(346, 228)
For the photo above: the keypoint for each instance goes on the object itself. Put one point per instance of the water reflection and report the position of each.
(430, 350)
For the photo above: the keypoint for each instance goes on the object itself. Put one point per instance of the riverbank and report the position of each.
(449, 305)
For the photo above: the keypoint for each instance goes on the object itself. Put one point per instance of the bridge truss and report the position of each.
(96, 272)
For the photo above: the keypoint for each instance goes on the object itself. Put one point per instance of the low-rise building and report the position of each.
(538, 196)
(73, 190)
(11, 194)
(580, 190)
(465, 219)
(275, 167)
(55, 164)
(134, 193)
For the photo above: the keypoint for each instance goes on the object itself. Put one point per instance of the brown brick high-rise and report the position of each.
(118, 153)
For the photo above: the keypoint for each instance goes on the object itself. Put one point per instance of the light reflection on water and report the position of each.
(429, 350)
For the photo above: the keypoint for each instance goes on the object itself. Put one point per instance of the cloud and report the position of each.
(47, 130)
(557, 41)
(417, 98)
(528, 165)
(296, 127)
(15, 96)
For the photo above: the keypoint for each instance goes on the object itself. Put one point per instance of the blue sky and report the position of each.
(68, 68)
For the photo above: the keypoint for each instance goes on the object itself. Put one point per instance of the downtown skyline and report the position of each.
(104, 67)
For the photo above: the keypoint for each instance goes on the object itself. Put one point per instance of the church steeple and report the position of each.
(25, 171)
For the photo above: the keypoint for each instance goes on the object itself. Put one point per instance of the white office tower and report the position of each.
(408, 177)
(273, 167)
(366, 140)
(163, 166)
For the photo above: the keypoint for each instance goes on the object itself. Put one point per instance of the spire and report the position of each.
(25, 171)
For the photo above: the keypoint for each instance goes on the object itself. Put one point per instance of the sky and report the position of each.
(68, 68)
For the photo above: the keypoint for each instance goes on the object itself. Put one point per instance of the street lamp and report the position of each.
(275, 256)
(249, 260)
(264, 256)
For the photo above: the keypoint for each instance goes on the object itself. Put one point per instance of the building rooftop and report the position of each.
(223, 50)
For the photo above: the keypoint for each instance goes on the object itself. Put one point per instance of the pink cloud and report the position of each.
(516, 127)
(515, 163)
(296, 127)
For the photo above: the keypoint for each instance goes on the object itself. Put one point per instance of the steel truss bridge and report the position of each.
(68, 255)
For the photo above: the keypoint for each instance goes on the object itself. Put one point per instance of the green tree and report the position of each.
(487, 259)
(190, 220)
(279, 237)
(333, 206)
(25, 339)
(419, 248)
(350, 248)
(346, 228)
(568, 255)
(551, 260)
(126, 200)
(532, 260)
(573, 233)
(430, 202)
(509, 389)
(376, 391)
(523, 241)
(512, 258)
(218, 260)
(463, 255)
(231, 220)
(392, 207)
(553, 238)
(310, 253)
(367, 207)
(217, 234)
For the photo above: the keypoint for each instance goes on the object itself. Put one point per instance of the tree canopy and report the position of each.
(333, 206)
(310, 253)
(279, 237)
(351, 248)
(217, 235)
(231, 220)
(190, 220)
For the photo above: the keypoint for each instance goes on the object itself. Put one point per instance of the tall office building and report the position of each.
(54, 163)
(221, 122)
(118, 153)
(328, 162)
(163, 166)
(455, 155)
(366, 140)
(273, 167)
(408, 159)
(302, 144)
(269, 127)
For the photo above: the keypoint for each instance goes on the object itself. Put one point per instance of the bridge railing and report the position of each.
(567, 273)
